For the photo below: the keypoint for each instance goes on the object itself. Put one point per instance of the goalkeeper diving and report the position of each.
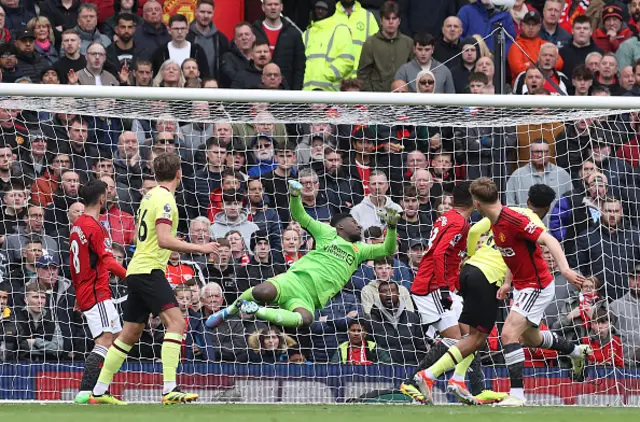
(319, 275)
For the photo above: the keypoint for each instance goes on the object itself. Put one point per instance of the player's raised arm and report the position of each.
(475, 232)
(316, 228)
(561, 260)
(167, 241)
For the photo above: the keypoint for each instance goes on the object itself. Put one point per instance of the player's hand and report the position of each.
(445, 299)
(209, 248)
(574, 278)
(391, 214)
(503, 291)
(295, 188)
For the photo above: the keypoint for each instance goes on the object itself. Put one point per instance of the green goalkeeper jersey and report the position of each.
(333, 261)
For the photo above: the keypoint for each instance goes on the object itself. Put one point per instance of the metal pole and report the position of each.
(499, 58)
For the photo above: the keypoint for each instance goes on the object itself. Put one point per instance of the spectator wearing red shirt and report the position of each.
(358, 350)
(120, 225)
(613, 31)
(607, 347)
(634, 14)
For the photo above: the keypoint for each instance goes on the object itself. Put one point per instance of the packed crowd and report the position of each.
(235, 176)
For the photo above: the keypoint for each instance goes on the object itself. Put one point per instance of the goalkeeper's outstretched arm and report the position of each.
(314, 227)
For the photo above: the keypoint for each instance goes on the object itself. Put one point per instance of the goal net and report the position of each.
(353, 152)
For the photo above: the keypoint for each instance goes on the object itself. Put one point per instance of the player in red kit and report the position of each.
(519, 240)
(91, 260)
(437, 276)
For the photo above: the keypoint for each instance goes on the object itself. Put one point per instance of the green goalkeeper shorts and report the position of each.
(294, 292)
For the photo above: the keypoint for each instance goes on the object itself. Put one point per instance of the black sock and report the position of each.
(553, 341)
(476, 376)
(92, 367)
(514, 358)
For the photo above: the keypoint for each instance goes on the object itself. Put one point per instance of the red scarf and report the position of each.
(586, 301)
(289, 259)
(358, 355)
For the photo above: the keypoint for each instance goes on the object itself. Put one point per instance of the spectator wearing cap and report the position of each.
(539, 170)
(60, 301)
(627, 311)
(465, 65)
(34, 161)
(18, 13)
(518, 12)
(314, 201)
(310, 149)
(9, 63)
(49, 76)
(262, 265)
(613, 31)
(384, 54)
(413, 225)
(251, 76)
(233, 217)
(609, 250)
(528, 45)
(575, 52)
(209, 178)
(551, 29)
(87, 28)
(423, 50)
(275, 182)
(262, 147)
(366, 212)
(395, 328)
(267, 219)
(30, 63)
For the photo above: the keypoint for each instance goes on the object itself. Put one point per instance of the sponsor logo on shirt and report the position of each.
(339, 253)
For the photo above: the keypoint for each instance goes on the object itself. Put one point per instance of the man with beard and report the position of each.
(91, 260)
(121, 54)
(547, 61)
(317, 276)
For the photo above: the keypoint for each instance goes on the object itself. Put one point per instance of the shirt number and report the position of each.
(434, 234)
(142, 231)
(75, 263)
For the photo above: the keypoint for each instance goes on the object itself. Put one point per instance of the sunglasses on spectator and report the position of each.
(166, 141)
(426, 82)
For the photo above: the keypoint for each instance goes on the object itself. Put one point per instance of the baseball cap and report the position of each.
(416, 242)
(7, 50)
(612, 11)
(46, 261)
(321, 3)
(532, 16)
(253, 140)
(25, 34)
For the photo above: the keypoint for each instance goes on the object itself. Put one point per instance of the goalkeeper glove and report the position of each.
(445, 298)
(295, 188)
(390, 215)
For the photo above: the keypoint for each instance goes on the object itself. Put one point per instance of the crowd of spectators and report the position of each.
(235, 176)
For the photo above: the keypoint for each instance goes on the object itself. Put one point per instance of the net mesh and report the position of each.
(421, 149)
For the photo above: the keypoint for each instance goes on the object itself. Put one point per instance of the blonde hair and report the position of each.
(482, 47)
(41, 20)
(158, 80)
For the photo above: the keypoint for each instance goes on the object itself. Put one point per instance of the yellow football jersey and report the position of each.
(158, 206)
(487, 257)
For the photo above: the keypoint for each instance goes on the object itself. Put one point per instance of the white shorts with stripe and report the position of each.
(432, 312)
(103, 318)
(531, 303)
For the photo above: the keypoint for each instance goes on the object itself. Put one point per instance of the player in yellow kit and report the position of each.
(481, 277)
(149, 291)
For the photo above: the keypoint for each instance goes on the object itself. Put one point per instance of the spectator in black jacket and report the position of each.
(39, 335)
(129, 7)
(239, 54)
(203, 32)
(121, 52)
(465, 65)
(265, 217)
(174, 49)
(55, 215)
(261, 267)
(30, 63)
(9, 63)
(426, 16)
(250, 77)
(413, 225)
(72, 59)
(285, 43)
(575, 53)
(448, 45)
(395, 328)
(335, 182)
(62, 17)
(152, 34)
(18, 13)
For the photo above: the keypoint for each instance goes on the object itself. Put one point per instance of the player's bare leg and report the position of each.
(92, 365)
(116, 356)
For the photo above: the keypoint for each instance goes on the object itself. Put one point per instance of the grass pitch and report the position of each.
(307, 413)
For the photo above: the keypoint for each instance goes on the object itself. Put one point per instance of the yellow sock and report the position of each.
(446, 362)
(112, 362)
(462, 367)
(170, 355)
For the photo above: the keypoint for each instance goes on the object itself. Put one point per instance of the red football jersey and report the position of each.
(89, 245)
(516, 237)
(440, 265)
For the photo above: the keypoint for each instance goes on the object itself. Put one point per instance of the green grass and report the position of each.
(307, 413)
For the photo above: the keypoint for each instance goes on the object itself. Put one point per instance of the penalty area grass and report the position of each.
(307, 413)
